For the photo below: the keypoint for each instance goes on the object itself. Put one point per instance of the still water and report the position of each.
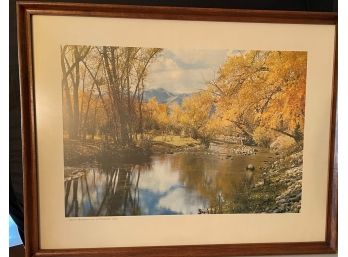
(179, 183)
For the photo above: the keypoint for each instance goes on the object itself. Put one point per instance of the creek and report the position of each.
(188, 182)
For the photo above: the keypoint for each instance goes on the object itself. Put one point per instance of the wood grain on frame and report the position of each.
(24, 12)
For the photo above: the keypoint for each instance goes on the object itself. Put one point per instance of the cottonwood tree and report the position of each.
(114, 80)
(263, 88)
(71, 59)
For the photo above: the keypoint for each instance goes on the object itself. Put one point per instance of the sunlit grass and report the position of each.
(175, 140)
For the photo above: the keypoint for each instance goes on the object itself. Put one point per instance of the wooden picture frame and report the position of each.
(25, 12)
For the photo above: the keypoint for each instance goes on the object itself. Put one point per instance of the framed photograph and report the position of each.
(164, 131)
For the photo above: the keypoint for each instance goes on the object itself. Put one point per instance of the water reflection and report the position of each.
(180, 183)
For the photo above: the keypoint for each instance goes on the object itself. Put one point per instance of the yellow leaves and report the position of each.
(264, 88)
(175, 115)
(157, 112)
(196, 110)
(287, 108)
(257, 94)
(263, 136)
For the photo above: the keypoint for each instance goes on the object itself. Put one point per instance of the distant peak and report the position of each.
(159, 89)
(164, 96)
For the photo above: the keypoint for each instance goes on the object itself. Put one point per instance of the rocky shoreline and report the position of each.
(276, 189)
(285, 177)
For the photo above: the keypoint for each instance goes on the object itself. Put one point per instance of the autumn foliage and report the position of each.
(255, 96)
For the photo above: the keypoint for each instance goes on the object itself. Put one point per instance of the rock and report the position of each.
(282, 143)
(260, 183)
(298, 197)
(296, 209)
(292, 199)
(250, 167)
(281, 201)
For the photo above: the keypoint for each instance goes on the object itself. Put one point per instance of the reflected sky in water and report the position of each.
(180, 183)
(162, 192)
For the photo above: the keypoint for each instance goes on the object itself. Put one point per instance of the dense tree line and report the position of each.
(256, 96)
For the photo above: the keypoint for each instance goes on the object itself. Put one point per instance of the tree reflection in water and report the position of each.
(106, 191)
(181, 183)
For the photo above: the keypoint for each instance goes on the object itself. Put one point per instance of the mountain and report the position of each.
(164, 96)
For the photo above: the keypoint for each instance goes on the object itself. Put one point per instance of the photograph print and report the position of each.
(152, 131)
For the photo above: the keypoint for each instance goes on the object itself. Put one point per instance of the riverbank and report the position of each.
(277, 190)
(77, 152)
(173, 144)
(285, 174)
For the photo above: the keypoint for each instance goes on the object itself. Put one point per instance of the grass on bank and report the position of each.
(177, 141)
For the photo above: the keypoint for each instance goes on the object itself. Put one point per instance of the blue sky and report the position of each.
(185, 70)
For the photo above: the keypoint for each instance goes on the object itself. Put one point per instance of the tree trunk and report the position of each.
(68, 105)
(76, 85)
(297, 138)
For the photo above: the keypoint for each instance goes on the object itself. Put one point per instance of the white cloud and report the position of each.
(164, 64)
(160, 179)
(184, 70)
(206, 58)
(181, 201)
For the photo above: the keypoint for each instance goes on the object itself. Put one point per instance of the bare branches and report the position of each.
(120, 86)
